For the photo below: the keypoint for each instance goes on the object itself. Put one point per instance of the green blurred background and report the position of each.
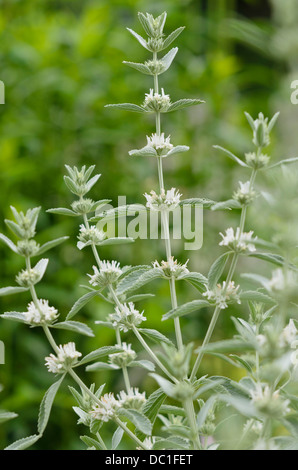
(61, 62)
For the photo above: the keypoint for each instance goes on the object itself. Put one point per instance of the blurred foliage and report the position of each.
(61, 62)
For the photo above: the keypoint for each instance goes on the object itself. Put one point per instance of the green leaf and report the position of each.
(9, 243)
(168, 59)
(195, 279)
(23, 444)
(176, 150)
(155, 336)
(74, 326)
(117, 437)
(139, 67)
(226, 205)
(128, 277)
(199, 201)
(80, 303)
(90, 442)
(204, 411)
(51, 244)
(153, 404)
(283, 162)
(185, 309)
(217, 269)
(232, 156)
(171, 37)
(172, 410)
(141, 40)
(97, 353)
(121, 211)
(99, 366)
(127, 107)
(272, 258)
(256, 296)
(242, 362)
(41, 267)
(143, 363)
(116, 241)
(6, 416)
(139, 297)
(14, 228)
(46, 405)
(184, 103)
(12, 290)
(63, 211)
(140, 281)
(143, 152)
(242, 405)
(140, 421)
(14, 316)
(173, 443)
(167, 386)
(227, 346)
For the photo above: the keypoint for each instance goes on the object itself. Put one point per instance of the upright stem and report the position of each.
(165, 221)
(230, 275)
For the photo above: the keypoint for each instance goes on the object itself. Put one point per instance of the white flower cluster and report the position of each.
(28, 277)
(132, 399)
(161, 144)
(165, 201)
(172, 268)
(40, 313)
(268, 402)
(126, 317)
(156, 101)
(108, 273)
(245, 194)
(107, 409)
(281, 282)
(124, 357)
(239, 241)
(222, 294)
(66, 357)
(91, 235)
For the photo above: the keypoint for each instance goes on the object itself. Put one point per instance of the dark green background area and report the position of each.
(61, 62)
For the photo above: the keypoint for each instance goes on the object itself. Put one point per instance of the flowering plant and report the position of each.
(186, 410)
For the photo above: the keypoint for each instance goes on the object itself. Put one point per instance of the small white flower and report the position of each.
(156, 101)
(281, 281)
(148, 442)
(124, 357)
(165, 201)
(91, 235)
(288, 335)
(269, 402)
(239, 241)
(132, 399)
(40, 313)
(107, 409)
(222, 294)
(108, 273)
(126, 317)
(172, 267)
(159, 143)
(66, 357)
(245, 194)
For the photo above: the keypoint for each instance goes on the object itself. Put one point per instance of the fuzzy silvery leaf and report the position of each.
(195, 279)
(167, 386)
(217, 269)
(80, 303)
(172, 36)
(155, 336)
(185, 309)
(6, 416)
(198, 201)
(226, 205)
(74, 326)
(227, 346)
(204, 411)
(283, 162)
(141, 40)
(273, 121)
(14, 228)
(41, 267)
(46, 406)
(144, 22)
(242, 405)
(232, 156)
(51, 244)
(242, 363)
(274, 259)
(256, 296)
(127, 107)
(140, 421)
(168, 58)
(22, 444)
(99, 366)
(184, 103)
(116, 241)
(121, 211)
(8, 242)
(177, 149)
(147, 151)
(143, 363)
(12, 290)
(63, 211)
(14, 316)
(139, 279)
(101, 352)
(117, 437)
(91, 443)
(139, 67)
(171, 443)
